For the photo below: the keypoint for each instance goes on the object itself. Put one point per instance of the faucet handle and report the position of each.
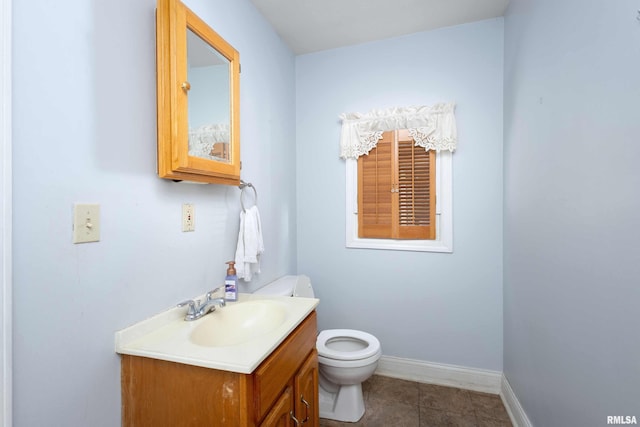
(210, 293)
(192, 306)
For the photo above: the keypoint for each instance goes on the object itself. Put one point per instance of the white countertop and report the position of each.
(165, 336)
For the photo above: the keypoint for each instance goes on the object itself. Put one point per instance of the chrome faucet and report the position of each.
(197, 310)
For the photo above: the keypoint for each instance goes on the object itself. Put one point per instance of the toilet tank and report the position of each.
(297, 286)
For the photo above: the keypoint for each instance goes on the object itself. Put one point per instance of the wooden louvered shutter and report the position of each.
(415, 190)
(396, 190)
(375, 179)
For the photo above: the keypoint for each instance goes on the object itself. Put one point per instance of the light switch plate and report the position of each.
(86, 223)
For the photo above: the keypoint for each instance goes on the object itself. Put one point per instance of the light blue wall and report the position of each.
(84, 127)
(572, 186)
(444, 308)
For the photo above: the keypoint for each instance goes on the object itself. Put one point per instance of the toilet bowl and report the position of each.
(346, 358)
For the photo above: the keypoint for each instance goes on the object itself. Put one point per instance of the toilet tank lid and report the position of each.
(299, 286)
(283, 286)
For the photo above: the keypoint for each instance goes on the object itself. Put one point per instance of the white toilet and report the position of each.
(346, 357)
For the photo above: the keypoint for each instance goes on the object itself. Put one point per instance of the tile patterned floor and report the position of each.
(391, 402)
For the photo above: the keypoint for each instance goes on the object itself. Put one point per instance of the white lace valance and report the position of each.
(433, 128)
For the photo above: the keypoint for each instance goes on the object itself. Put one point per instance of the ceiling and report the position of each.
(312, 25)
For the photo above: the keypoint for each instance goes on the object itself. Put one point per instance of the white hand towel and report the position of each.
(250, 244)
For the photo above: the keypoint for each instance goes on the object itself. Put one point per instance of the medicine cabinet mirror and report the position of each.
(198, 75)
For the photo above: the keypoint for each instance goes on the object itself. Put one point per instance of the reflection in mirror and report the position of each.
(208, 100)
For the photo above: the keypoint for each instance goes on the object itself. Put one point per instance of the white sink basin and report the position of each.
(235, 338)
(238, 323)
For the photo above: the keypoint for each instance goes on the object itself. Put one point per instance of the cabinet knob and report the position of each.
(186, 86)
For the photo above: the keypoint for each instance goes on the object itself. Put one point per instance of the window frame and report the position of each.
(444, 212)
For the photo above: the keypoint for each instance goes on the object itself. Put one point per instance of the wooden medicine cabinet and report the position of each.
(198, 78)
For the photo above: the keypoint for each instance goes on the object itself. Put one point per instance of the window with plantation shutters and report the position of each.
(396, 190)
(399, 177)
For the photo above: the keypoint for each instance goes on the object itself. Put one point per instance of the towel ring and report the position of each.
(243, 185)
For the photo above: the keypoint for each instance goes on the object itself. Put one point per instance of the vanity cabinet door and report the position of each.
(280, 414)
(306, 388)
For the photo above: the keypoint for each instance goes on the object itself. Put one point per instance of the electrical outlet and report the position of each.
(188, 217)
(86, 223)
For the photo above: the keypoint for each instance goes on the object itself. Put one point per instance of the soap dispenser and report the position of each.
(231, 283)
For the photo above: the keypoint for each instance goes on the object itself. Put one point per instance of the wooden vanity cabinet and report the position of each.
(284, 386)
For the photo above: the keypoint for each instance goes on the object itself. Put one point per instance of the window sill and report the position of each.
(421, 246)
(438, 245)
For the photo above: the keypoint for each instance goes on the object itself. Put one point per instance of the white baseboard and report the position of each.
(435, 373)
(516, 412)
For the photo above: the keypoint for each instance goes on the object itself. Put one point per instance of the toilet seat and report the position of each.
(325, 338)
